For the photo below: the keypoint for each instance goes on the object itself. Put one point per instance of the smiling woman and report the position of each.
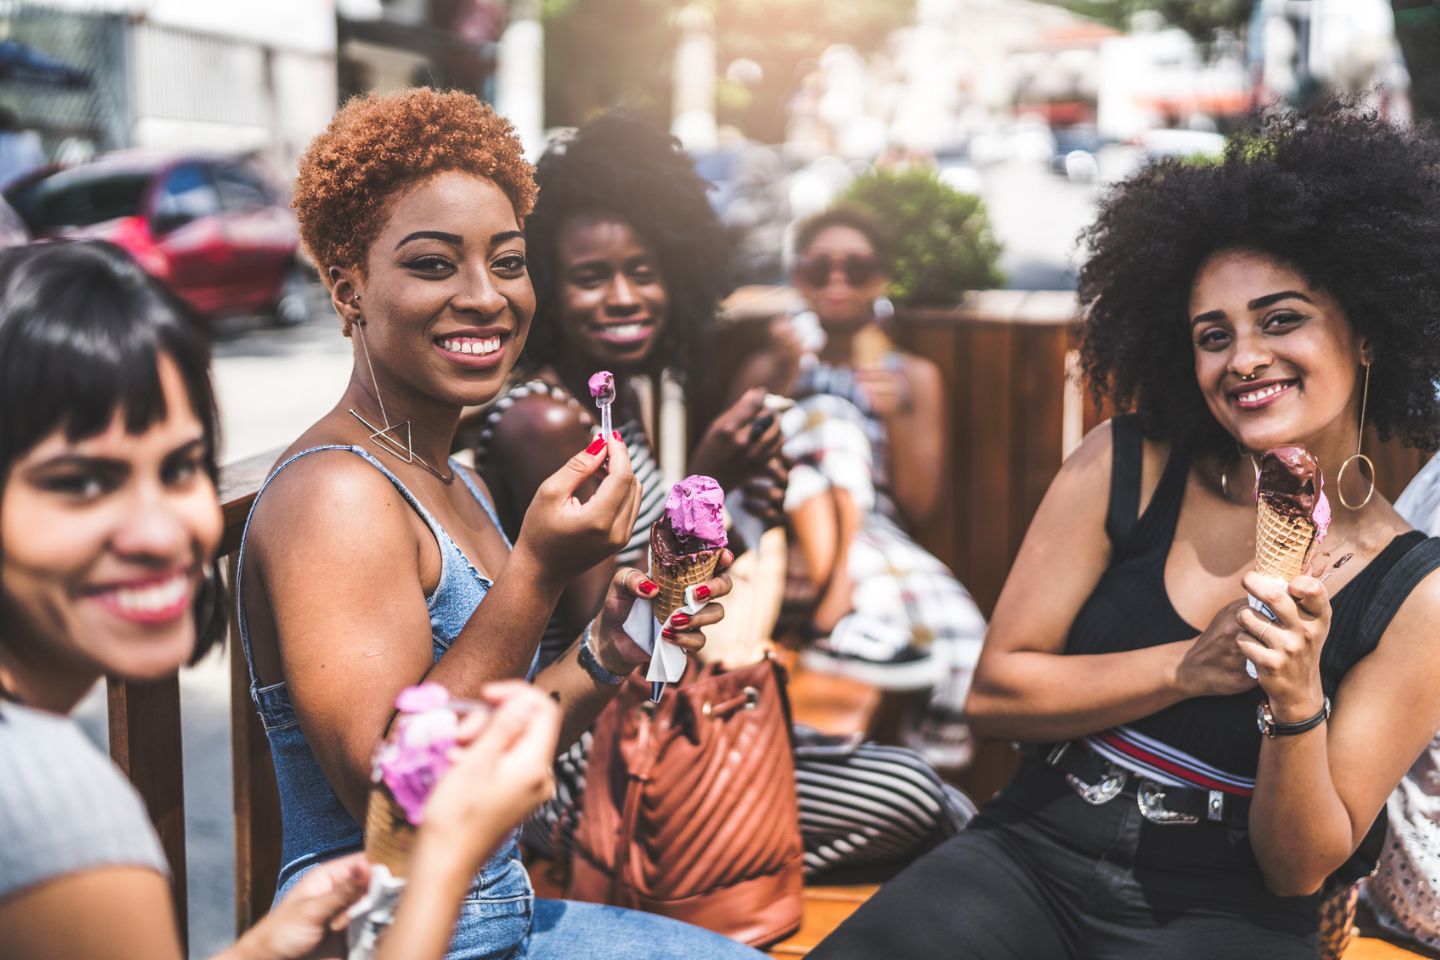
(108, 523)
(366, 567)
(1172, 804)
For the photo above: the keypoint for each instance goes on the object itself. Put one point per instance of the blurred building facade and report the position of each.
(258, 77)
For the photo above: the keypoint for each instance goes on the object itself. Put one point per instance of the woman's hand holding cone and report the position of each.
(613, 646)
(1286, 653)
(501, 772)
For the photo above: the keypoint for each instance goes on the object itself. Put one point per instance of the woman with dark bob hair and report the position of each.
(1171, 804)
(109, 523)
(372, 560)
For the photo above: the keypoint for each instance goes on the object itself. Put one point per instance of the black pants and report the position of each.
(1042, 874)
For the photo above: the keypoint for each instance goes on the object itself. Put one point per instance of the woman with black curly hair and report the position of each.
(1281, 297)
(629, 264)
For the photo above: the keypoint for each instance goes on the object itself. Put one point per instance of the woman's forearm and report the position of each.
(1043, 697)
(581, 696)
(1300, 829)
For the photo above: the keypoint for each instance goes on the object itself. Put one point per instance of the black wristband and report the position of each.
(1271, 727)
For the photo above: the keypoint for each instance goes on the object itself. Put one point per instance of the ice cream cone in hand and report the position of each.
(1292, 512)
(871, 345)
(685, 543)
(407, 767)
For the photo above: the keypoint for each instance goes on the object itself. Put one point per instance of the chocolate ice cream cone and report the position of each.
(1282, 542)
(674, 571)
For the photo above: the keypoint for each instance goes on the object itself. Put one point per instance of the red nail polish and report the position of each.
(616, 435)
(648, 586)
(702, 592)
(680, 621)
(596, 446)
(669, 634)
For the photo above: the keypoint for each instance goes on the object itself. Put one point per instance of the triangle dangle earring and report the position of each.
(393, 438)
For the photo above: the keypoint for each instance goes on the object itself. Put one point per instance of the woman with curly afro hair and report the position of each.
(372, 561)
(629, 264)
(1281, 297)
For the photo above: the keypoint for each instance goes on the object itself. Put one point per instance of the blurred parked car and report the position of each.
(1077, 152)
(956, 169)
(212, 228)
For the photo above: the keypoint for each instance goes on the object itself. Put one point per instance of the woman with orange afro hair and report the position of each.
(372, 561)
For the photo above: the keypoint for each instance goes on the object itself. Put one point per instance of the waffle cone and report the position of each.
(1281, 542)
(870, 346)
(673, 573)
(389, 835)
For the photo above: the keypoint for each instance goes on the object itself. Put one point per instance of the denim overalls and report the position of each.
(317, 826)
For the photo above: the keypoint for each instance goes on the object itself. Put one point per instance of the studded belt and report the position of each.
(1096, 781)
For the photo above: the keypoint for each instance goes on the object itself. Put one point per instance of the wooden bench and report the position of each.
(1014, 411)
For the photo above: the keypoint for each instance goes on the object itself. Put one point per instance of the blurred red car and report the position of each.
(212, 228)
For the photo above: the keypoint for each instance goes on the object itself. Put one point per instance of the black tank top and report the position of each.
(1208, 742)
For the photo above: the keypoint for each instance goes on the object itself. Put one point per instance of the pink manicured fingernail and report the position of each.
(596, 446)
(615, 434)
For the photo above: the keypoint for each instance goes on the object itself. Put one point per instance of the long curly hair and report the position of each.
(377, 144)
(1349, 201)
(624, 165)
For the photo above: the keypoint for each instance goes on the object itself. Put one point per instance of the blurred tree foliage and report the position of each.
(1417, 28)
(1199, 18)
(941, 244)
(602, 52)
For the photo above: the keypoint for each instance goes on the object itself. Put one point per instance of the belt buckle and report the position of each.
(1150, 797)
(1104, 790)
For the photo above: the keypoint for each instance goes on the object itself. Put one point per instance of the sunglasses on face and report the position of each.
(857, 269)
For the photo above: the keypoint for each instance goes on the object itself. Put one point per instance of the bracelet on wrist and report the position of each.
(594, 667)
(1271, 727)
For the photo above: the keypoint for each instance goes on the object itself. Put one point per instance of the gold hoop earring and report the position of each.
(1357, 455)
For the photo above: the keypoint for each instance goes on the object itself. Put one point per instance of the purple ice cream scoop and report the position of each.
(602, 386)
(696, 510)
(417, 754)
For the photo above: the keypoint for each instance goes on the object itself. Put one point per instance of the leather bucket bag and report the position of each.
(690, 808)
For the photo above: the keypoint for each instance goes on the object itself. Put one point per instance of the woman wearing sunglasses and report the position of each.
(888, 613)
(109, 524)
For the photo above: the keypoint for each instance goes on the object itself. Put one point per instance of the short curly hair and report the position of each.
(1349, 201)
(622, 164)
(845, 215)
(376, 144)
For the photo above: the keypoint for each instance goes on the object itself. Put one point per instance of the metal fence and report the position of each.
(73, 123)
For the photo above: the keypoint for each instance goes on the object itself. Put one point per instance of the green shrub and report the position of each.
(940, 239)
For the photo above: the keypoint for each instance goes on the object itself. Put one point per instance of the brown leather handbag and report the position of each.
(690, 808)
